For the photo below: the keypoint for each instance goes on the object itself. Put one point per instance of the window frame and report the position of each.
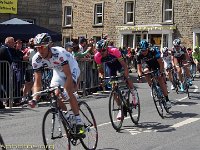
(95, 19)
(166, 11)
(69, 16)
(126, 12)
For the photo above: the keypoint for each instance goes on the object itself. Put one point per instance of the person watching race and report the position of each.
(196, 57)
(112, 58)
(65, 73)
(166, 56)
(149, 59)
(180, 59)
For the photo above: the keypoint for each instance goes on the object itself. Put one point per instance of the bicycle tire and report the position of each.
(114, 108)
(176, 83)
(157, 101)
(2, 144)
(134, 106)
(50, 126)
(90, 126)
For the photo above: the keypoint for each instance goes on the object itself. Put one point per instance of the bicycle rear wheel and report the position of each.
(54, 132)
(157, 101)
(134, 106)
(114, 109)
(91, 139)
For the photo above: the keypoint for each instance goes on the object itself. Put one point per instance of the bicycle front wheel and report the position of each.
(2, 144)
(157, 101)
(54, 132)
(115, 106)
(134, 106)
(91, 139)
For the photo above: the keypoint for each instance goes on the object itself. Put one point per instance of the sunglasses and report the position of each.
(42, 46)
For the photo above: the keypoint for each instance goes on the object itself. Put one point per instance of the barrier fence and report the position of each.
(15, 77)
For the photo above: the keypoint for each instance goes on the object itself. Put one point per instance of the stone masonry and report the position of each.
(186, 16)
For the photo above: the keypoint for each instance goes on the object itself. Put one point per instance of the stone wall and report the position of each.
(46, 13)
(186, 15)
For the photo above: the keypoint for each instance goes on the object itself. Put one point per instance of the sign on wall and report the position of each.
(8, 6)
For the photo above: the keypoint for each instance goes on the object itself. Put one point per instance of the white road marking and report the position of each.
(195, 90)
(187, 121)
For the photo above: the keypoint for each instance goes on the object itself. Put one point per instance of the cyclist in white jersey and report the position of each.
(166, 56)
(65, 73)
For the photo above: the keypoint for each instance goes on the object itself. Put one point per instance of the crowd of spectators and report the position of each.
(19, 55)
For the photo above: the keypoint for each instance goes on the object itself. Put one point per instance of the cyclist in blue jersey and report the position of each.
(149, 59)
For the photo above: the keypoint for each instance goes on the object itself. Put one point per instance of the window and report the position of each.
(98, 14)
(66, 39)
(129, 12)
(167, 11)
(68, 16)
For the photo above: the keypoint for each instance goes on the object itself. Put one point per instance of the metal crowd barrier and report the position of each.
(12, 79)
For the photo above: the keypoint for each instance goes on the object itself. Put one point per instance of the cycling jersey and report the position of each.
(150, 60)
(167, 61)
(59, 58)
(179, 54)
(112, 60)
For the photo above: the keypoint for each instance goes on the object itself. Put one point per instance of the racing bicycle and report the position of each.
(123, 99)
(59, 133)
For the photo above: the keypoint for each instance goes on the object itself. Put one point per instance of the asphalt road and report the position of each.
(177, 131)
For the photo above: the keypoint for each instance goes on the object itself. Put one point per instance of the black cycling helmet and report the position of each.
(177, 42)
(102, 44)
(42, 38)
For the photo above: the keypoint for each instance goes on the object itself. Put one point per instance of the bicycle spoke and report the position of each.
(53, 132)
(91, 139)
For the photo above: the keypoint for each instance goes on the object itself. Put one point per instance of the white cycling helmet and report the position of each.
(42, 38)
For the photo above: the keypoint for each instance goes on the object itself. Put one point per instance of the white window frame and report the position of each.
(66, 16)
(96, 15)
(166, 11)
(126, 21)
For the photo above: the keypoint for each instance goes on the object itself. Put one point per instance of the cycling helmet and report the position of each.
(165, 50)
(177, 42)
(144, 45)
(69, 45)
(102, 44)
(42, 38)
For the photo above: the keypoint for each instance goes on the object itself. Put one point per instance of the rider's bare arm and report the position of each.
(37, 83)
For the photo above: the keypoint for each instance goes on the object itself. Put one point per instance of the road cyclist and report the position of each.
(149, 59)
(65, 73)
(181, 61)
(111, 58)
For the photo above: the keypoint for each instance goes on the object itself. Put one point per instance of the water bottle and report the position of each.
(134, 96)
(65, 95)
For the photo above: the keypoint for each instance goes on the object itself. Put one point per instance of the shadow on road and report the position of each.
(178, 114)
(149, 127)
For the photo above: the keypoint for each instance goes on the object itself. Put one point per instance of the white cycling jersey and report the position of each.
(59, 58)
(167, 61)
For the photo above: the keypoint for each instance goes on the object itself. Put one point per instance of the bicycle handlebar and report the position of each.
(47, 91)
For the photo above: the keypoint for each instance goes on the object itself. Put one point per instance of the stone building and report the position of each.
(128, 21)
(45, 13)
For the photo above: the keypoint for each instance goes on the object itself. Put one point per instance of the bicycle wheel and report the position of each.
(54, 132)
(175, 82)
(2, 144)
(114, 109)
(91, 139)
(134, 106)
(157, 101)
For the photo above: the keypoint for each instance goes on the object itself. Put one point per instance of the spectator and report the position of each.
(5, 55)
(29, 52)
